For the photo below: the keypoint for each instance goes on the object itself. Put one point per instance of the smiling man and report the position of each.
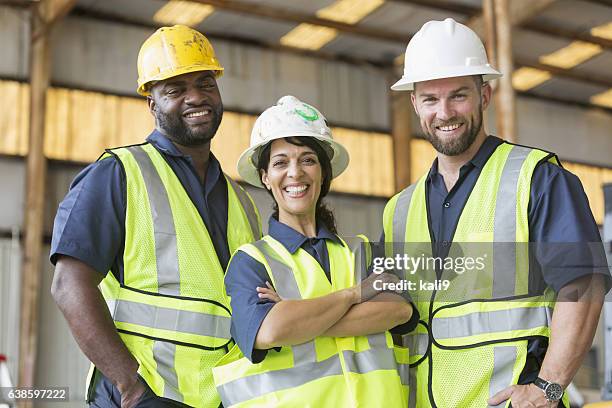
(490, 339)
(143, 237)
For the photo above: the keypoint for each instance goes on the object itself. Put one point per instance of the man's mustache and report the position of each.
(450, 122)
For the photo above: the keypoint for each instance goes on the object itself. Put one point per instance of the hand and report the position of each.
(368, 289)
(523, 396)
(268, 293)
(130, 395)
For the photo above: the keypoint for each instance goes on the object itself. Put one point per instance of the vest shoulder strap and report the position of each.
(537, 154)
(120, 151)
(396, 211)
(248, 205)
(279, 265)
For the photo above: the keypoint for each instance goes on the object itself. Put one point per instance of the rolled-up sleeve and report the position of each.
(244, 275)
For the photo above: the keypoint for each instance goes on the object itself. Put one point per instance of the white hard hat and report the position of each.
(444, 49)
(288, 118)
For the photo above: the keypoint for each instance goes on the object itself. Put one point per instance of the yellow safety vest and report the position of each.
(171, 311)
(472, 339)
(357, 371)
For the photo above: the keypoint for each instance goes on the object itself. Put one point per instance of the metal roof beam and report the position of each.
(565, 33)
(520, 11)
(527, 25)
(285, 15)
(449, 6)
(602, 2)
(117, 18)
(105, 16)
(566, 73)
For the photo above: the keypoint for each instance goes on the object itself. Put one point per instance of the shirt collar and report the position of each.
(486, 150)
(293, 240)
(162, 143)
(480, 158)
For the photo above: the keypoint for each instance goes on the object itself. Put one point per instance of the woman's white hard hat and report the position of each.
(290, 117)
(444, 49)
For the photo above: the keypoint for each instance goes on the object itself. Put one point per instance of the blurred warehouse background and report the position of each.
(73, 93)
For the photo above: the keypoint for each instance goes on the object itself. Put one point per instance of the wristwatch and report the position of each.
(552, 391)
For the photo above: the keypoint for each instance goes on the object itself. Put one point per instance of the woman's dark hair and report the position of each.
(322, 213)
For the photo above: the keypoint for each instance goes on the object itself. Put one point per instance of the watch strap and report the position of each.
(540, 383)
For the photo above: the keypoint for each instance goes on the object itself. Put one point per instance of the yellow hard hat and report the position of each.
(173, 51)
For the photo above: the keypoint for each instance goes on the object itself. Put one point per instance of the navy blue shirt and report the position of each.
(245, 274)
(90, 221)
(558, 212)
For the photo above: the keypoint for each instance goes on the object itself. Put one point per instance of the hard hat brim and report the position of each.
(247, 166)
(406, 83)
(144, 88)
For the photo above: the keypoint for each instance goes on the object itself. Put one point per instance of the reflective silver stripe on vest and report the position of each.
(253, 386)
(304, 353)
(412, 379)
(473, 324)
(247, 205)
(400, 218)
(284, 281)
(287, 288)
(504, 258)
(416, 343)
(175, 320)
(166, 252)
(377, 340)
(404, 373)
(504, 358)
(164, 354)
(357, 245)
(361, 264)
(378, 357)
(362, 362)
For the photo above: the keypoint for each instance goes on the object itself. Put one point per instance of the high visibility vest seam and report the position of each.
(496, 300)
(178, 297)
(178, 343)
(488, 342)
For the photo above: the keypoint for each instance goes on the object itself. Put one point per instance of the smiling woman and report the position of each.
(306, 333)
(297, 172)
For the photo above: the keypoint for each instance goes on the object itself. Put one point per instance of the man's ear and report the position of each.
(414, 104)
(485, 94)
(152, 105)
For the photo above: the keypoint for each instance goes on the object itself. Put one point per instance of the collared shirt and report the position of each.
(244, 274)
(558, 213)
(90, 221)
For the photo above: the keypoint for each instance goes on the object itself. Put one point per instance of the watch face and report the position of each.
(554, 392)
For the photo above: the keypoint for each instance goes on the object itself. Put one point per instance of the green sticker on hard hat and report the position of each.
(310, 116)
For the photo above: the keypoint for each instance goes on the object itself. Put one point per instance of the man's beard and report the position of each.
(179, 132)
(458, 145)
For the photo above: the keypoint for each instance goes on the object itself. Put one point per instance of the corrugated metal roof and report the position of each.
(575, 15)
(396, 20)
